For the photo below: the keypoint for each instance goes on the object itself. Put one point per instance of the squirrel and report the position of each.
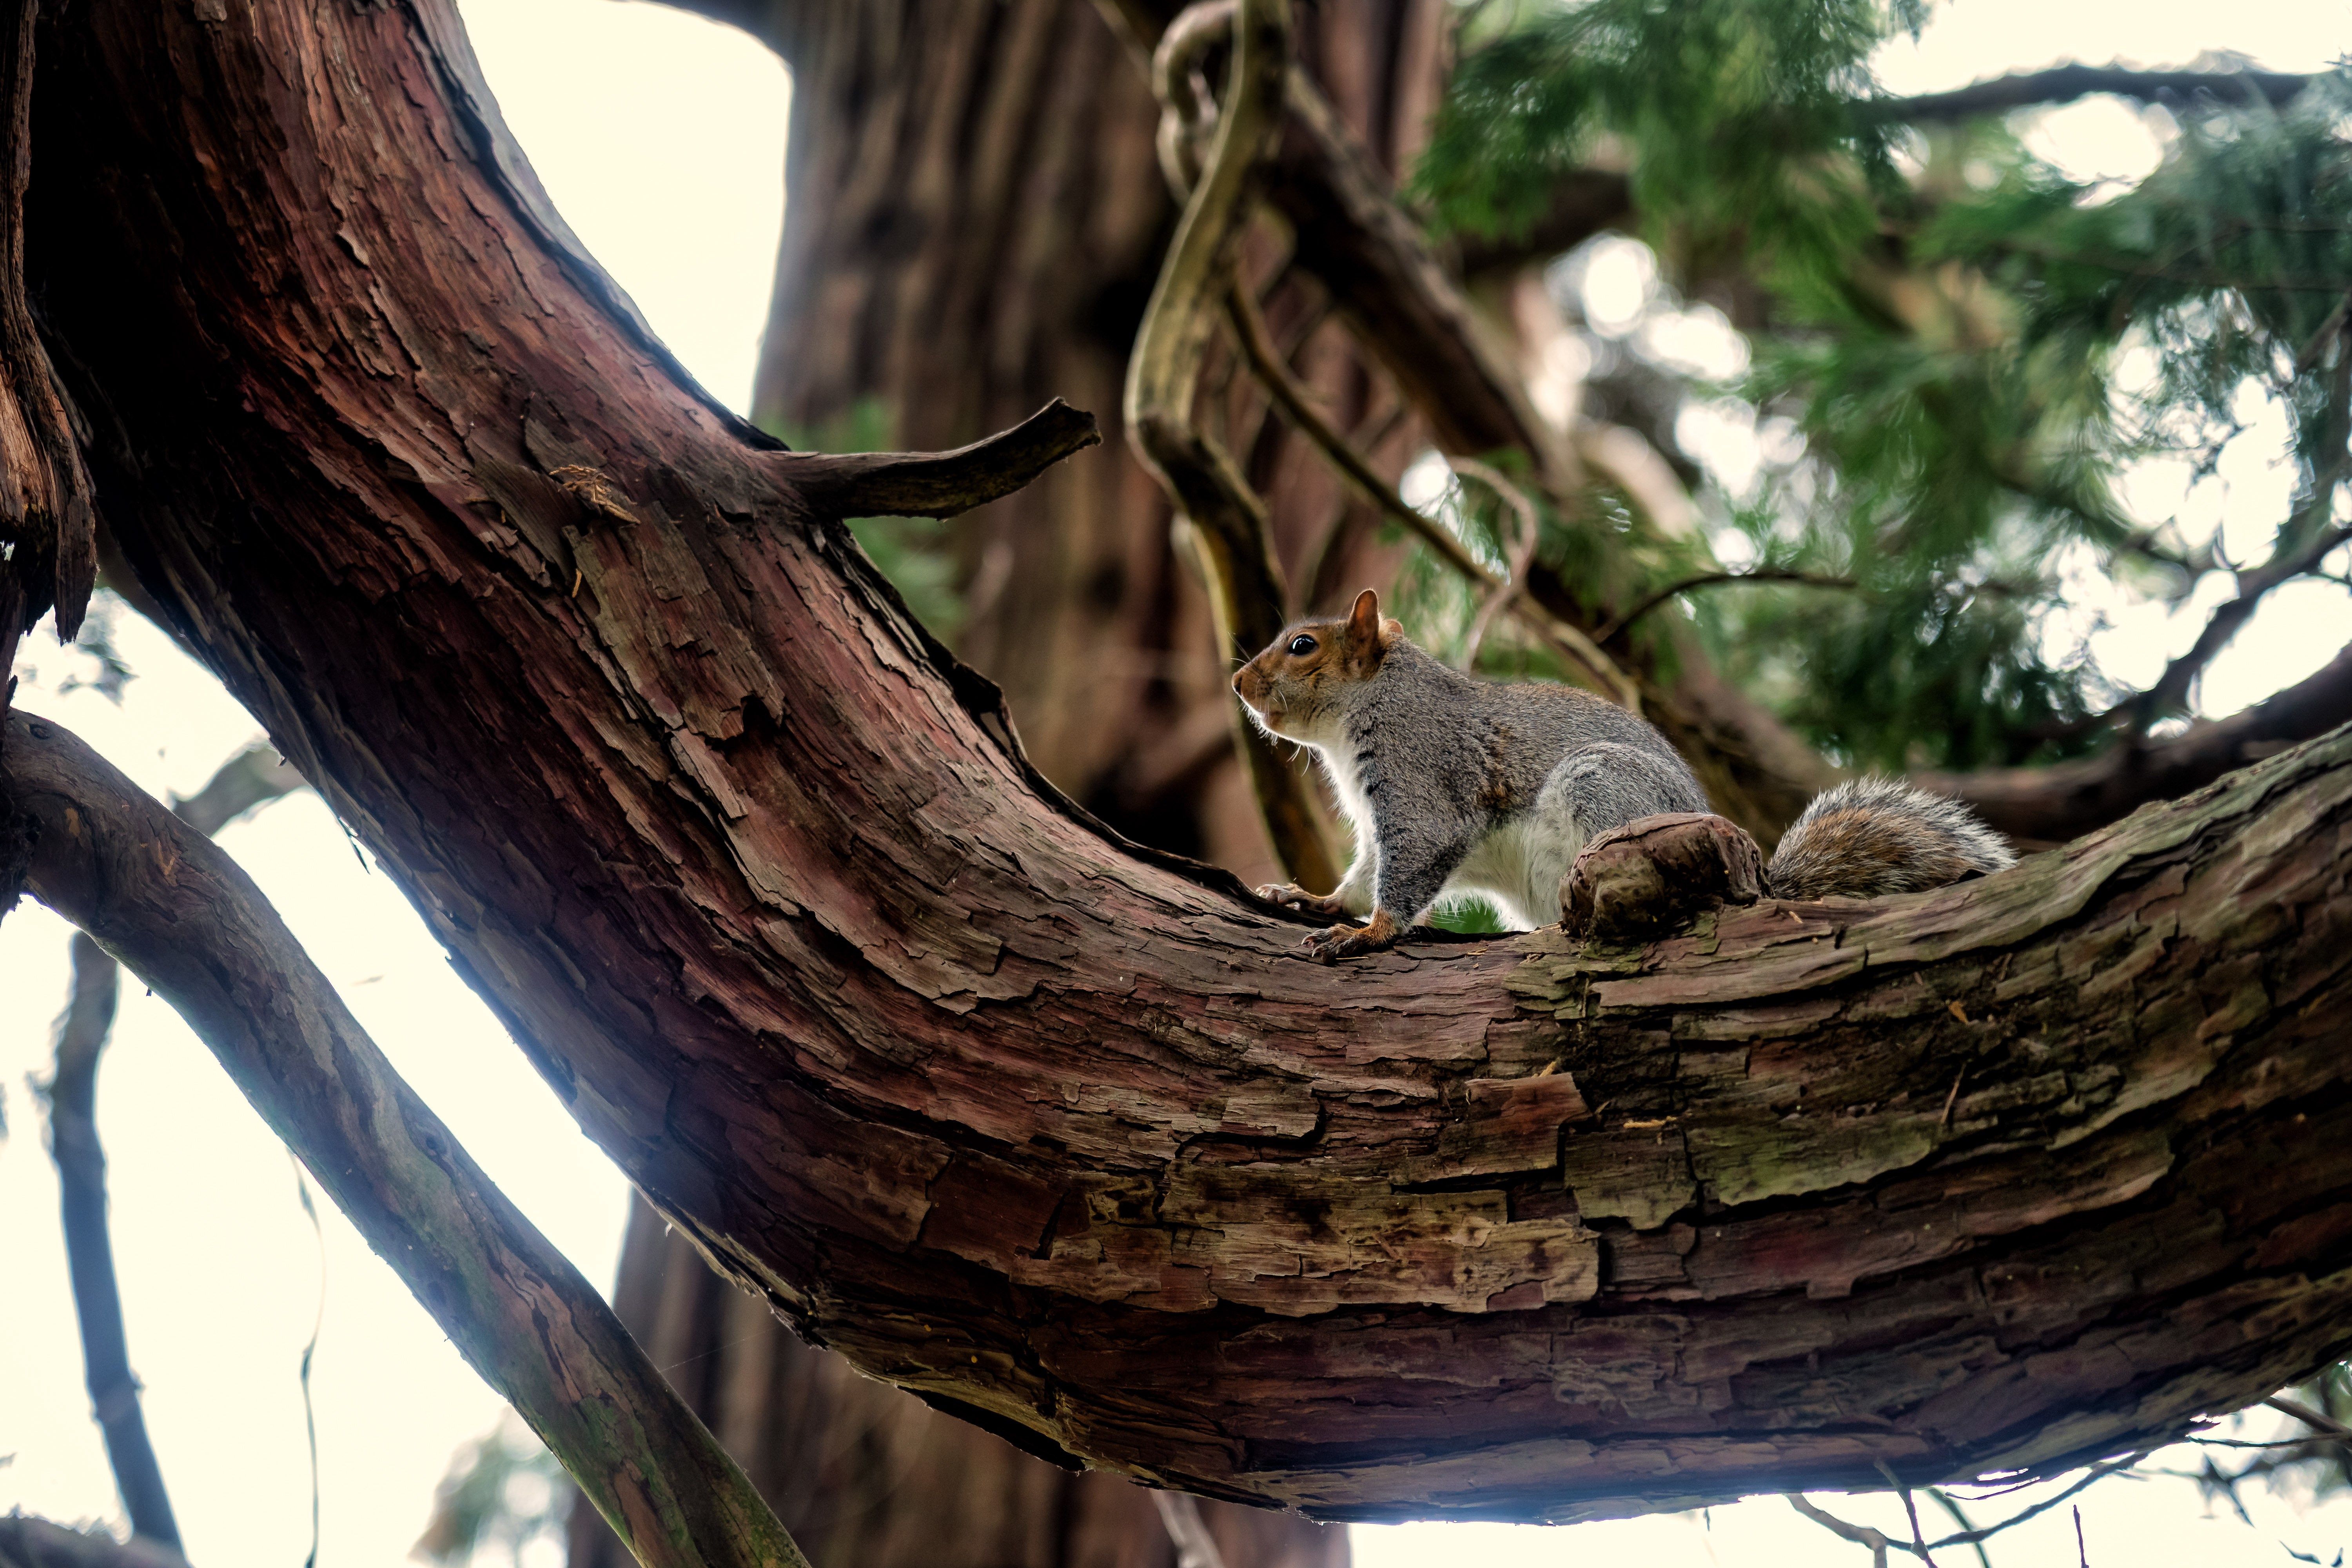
(1457, 785)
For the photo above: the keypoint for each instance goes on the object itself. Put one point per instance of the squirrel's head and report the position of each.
(1291, 688)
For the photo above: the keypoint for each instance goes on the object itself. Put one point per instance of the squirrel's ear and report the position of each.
(1364, 620)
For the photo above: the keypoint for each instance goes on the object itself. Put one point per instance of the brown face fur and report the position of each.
(1289, 685)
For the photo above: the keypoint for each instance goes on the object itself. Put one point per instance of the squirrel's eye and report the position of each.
(1302, 645)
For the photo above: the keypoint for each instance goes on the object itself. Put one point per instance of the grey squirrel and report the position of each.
(1457, 785)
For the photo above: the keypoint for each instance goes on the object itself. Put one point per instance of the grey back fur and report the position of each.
(1475, 786)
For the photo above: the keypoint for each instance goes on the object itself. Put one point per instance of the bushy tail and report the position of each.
(1870, 836)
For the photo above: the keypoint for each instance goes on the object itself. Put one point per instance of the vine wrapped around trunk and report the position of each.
(1072, 1139)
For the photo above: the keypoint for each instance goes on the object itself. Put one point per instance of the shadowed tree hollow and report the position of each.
(1067, 1137)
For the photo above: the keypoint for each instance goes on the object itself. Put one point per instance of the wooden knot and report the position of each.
(1655, 874)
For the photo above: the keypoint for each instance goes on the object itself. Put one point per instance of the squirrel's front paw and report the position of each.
(1375, 935)
(1291, 896)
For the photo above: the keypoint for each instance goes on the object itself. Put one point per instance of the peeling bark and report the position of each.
(1071, 1141)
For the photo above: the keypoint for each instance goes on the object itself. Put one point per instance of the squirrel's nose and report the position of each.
(1237, 683)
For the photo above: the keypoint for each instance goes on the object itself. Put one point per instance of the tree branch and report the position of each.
(2043, 808)
(251, 778)
(1578, 651)
(1060, 1138)
(162, 899)
(1224, 518)
(72, 1095)
(1707, 579)
(2063, 84)
(943, 484)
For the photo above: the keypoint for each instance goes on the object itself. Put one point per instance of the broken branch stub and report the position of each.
(1655, 874)
(940, 484)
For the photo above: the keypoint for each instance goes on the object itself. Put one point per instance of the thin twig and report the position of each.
(2063, 84)
(1705, 579)
(1860, 1534)
(1521, 552)
(2312, 1418)
(1910, 1511)
(1944, 1500)
(2096, 1473)
(1571, 645)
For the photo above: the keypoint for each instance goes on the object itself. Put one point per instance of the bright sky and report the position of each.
(660, 136)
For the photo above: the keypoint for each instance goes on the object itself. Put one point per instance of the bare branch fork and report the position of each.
(164, 900)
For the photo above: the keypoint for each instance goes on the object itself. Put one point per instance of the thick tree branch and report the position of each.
(162, 900)
(1066, 1141)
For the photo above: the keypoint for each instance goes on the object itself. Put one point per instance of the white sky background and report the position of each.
(660, 136)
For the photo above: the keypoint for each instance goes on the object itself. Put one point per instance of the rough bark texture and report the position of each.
(1072, 1140)
(1656, 874)
(49, 543)
(867, 1477)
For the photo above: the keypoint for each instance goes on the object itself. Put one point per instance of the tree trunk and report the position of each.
(1072, 1139)
(867, 1477)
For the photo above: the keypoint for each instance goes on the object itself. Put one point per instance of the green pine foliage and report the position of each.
(1946, 319)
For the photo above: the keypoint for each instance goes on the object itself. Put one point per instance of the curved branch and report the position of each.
(1223, 518)
(253, 777)
(1061, 1139)
(943, 484)
(2043, 808)
(168, 903)
(2063, 84)
(1577, 650)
